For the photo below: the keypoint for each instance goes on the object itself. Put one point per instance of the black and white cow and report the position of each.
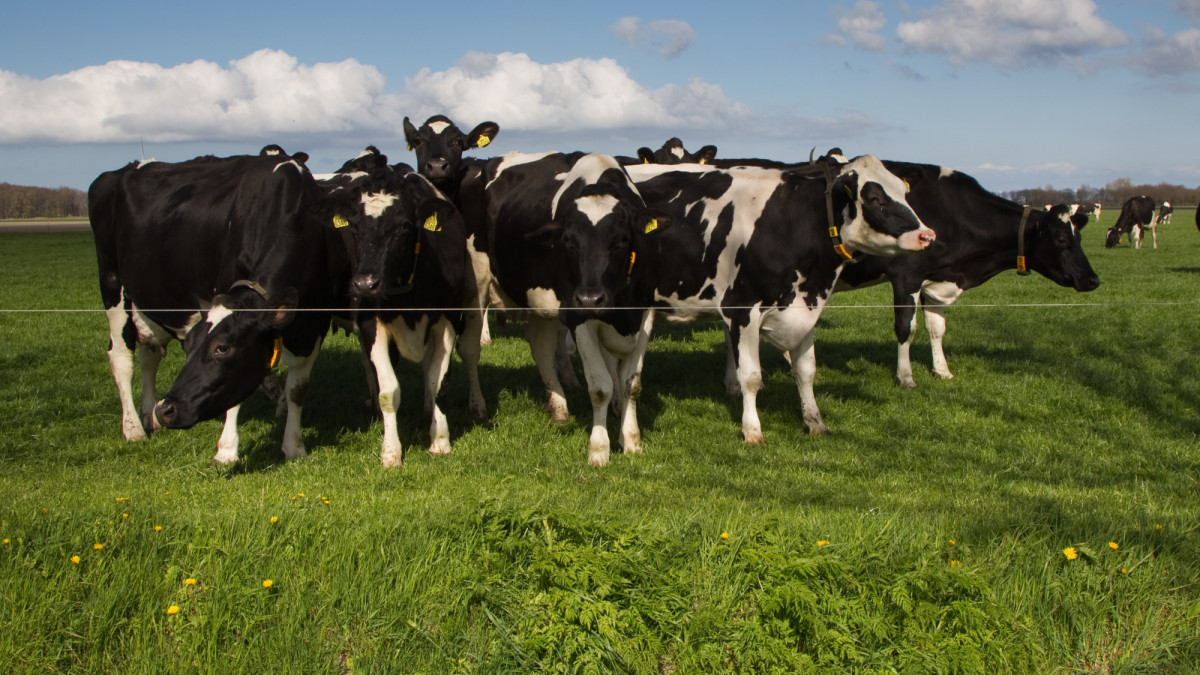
(763, 248)
(672, 152)
(439, 146)
(233, 242)
(1164, 213)
(979, 236)
(569, 233)
(1089, 209)
(409, 283)
(1137, 214)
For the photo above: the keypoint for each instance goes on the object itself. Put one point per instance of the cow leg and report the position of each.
(1135, 236)
(935, 323)
(120, 361)
(749, 374)
(804, 369)
(227, 444)
(295, 391)
(905, 313)
(562, 359)
(437, 362)
(542, 334)
(150, 355)
(1154, 234)
(629, 385)
(731, 377)
(597, 370)
(391, 454)
(469, 351)
(485, 334)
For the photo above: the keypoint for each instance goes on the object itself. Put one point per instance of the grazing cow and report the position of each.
(1164, 213)
(439, 145)
(568, 236)
(1088, 209)
(411, 265)
(672, 152)
(763, 248)
(1137, 213)
(232, 242)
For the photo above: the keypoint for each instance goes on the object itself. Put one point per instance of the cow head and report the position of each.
(672, 152)
(228, 354)
(1054, 248)
(1114, 236)
(390, 210)
(439, 146)
(599, 231)
(877, 219)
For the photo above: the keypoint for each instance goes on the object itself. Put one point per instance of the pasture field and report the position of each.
(1039, 513)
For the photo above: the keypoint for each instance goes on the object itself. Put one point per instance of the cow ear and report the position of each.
(410, 133)
(646, 155)
(1079, 219)
(547, 235)
(482, 135)
(653, 221)
(282, 309)
(433, 214)
(845, 186)
(706, 154)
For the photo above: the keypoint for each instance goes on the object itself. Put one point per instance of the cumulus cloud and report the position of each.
(1177, 54)
(522, 94)
(667, 37)
(265, 93)
(269, 95)
(861, 24)
(1011, 33)
(1189, 8)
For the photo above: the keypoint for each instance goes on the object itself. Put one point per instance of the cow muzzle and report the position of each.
(918, 239)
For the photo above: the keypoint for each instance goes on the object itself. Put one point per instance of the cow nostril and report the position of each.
(591, 299)
(366, 283)
(164, 412)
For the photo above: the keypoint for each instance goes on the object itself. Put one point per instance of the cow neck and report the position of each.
(1022, 268)
(835, 235)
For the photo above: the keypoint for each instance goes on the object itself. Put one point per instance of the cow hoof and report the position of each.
(441, 447)
(753, 437)
(818, 430)
(223, 462)
(598, 459)
(478, 413)
(391, 461)
(134, 435)
(906, 382)
(944, 376)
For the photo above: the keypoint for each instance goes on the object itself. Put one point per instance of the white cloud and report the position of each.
(861, 24)
(1189, 8)
(1177, 54)
(521, 94)
(1011, 33)
(263, 94)
(667, 37)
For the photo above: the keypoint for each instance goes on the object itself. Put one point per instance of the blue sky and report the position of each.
(1018, 93)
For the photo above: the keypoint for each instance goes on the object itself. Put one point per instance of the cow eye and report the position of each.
(221, 349)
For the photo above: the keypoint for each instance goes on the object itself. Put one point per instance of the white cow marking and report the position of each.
(375, 204)
(218, 314)
(596, 207)
(438, 127)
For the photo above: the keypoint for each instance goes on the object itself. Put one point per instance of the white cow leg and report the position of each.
(391, 454)
(485, 334)
(227, 444)
(295, 390)
(904, 370)
(935, 323)
(597, 372)
(437, 362)
(731, 376)
(749, 374)
(542, 334)
(149, 357)
(630, 386)
(120, 361)
(804, 369)
(469, 351)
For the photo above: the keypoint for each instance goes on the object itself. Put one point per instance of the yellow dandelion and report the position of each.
(267, 583)
(1114, 545)
(724, 535)
(173, 609)
(956, 563)
(158, 528)
(122, 499)
(45, 510)
(325, 501)
(124, 515)
(822, 543)
(274, 519)
(189, 582)
(1070, 553)
(1158, 527)
(953, 543)
(97, 546)
(1124, 571)
(75, 559)
(6, 541)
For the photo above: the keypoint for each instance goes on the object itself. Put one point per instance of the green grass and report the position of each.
(925, 535)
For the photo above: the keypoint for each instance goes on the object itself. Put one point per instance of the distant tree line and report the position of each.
(19, 201)
(1111, 196)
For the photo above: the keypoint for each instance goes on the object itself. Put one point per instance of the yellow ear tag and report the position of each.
(632, 257)
(849, 192)
(410, 148)
(702, 161)
(483, 142)
(431, 223)
(652, 225)
(275, 353)
(645, 161)
(907, 187)
(339, 221)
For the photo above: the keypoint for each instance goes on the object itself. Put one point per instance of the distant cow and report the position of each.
(1088, 209)
(672, 152)
(1164, 213)
(408, 286)
(220, 253)
(569, 239)
(762, 249)
(1137, 213)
